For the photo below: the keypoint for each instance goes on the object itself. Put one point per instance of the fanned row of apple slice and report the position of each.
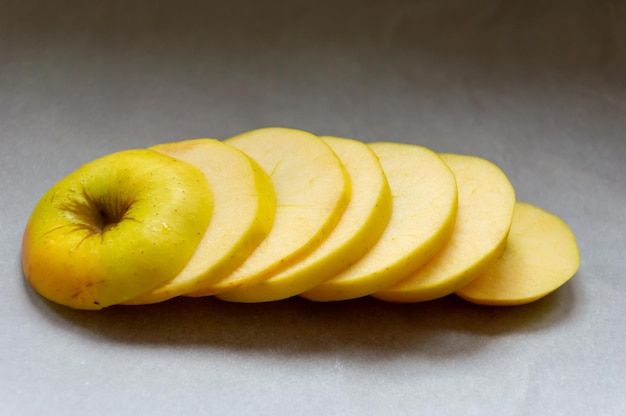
(333, 219)
(394, 221)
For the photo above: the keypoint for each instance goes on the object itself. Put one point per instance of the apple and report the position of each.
(312, 191)
(115, 228)
(422, 220)
(485, 212)
(541, 254)
(244, 205)
(278, 212)
(358, 229)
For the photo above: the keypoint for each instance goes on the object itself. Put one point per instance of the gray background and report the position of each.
(536, 86)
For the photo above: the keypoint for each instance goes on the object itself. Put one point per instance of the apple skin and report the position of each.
(115, 228)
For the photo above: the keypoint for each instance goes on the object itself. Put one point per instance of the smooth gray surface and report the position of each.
(535, 86)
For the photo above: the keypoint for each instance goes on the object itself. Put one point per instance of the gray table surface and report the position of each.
(539, 87)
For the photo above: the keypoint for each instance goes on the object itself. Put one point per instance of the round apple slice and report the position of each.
(540, 256)
(424, 210)
(486, 202)
(243, 213)
(115, 228)
(312, 191)
(358, 229)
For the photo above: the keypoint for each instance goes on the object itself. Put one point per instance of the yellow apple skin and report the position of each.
(541, 255)
(115, 228)
(422, 220)
(359, 228)
(312, 191)
(243, 214)
(486, 203)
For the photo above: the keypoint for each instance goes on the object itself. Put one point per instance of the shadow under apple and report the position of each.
(446, 326)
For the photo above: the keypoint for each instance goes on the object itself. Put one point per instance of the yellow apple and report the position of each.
(115, 228)
(424, 211)
(359, 228)
(243, 212)
(540, 256)
(486, 202)
(312, 191)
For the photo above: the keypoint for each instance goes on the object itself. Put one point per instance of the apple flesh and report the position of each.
(244, 205)
(312, 191)
(540, 256)
(357, 231)
(115, 228)
(424, 210)
(486, 203)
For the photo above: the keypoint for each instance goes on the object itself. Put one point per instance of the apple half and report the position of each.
(360, 226)
(312, 191)
(485, 212)
(115, 228)
(422, 220)
(244, 205)
(540, 256)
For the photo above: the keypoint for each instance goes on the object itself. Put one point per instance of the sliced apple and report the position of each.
(540, 256)
(357, 231)
(486, 203)
(243, 212)
(312, 191)
(424, 211)
(117, 227)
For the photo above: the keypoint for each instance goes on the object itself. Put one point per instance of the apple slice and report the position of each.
(486, 202)
(359, 228)
(115, 228)
(312, 191)
(424, 211)
(540, 256)
(243, 212)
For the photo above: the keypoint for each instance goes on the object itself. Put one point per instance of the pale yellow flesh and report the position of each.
(243, 213)
(163, 208)
(357, 231)
(424, 211)
(540, 256)
(312, 191)
(486, 203)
